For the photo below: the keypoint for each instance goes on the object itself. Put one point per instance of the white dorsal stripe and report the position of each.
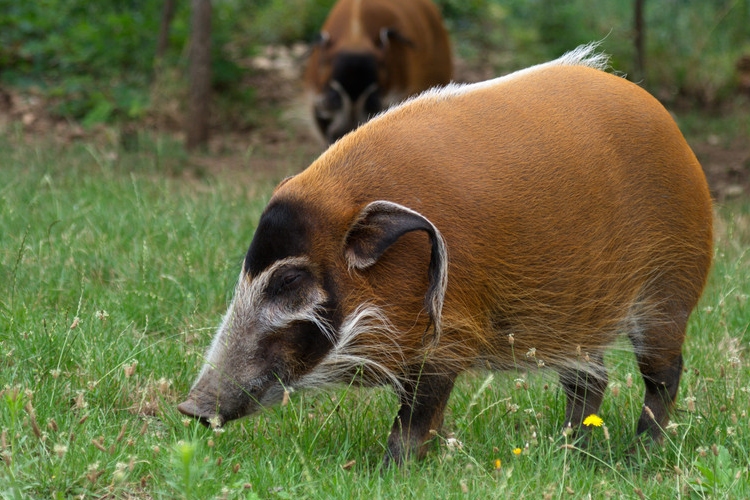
(584, 55)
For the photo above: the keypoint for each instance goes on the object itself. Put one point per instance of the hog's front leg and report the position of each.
(422, 407)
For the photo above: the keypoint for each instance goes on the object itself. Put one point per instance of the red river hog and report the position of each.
(523, 221)
(372, 54)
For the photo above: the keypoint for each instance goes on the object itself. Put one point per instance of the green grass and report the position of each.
(114, 275)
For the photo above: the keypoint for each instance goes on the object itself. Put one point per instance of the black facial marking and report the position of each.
(332, 100)
(281, 233)
(323, 123)
(310, 343)
(355, 72)
(303, 343)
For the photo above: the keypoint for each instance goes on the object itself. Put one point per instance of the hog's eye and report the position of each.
(287, 281)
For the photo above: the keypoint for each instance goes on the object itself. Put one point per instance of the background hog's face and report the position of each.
(350, 96)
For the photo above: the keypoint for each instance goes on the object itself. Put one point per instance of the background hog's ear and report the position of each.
(387, 35)
(378, 226)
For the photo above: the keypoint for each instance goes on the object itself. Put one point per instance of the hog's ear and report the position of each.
(378, 226)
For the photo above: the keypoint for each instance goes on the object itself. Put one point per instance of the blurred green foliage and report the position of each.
(95, 60)
(284, 21)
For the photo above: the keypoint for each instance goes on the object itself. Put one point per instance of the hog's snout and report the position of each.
(216, 399)
(209, 418)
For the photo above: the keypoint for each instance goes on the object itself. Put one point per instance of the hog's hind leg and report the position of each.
(658, 350)
(660, 363)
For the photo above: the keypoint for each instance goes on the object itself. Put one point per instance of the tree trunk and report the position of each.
(167, 14)
(640, 36)
(199, 99)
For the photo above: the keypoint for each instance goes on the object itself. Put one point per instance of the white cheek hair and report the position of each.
(250, 314)
(349, 354)
(215, 351)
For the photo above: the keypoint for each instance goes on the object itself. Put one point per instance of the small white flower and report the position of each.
(453, 444)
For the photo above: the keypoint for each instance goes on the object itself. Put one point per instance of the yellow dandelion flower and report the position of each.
(517, 451)
(498, 464)
(594, 420)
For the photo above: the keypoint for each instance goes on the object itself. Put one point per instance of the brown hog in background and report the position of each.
(523, 221)
(371, 55)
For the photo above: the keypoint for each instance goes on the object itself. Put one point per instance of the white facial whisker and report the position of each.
(350, 355)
